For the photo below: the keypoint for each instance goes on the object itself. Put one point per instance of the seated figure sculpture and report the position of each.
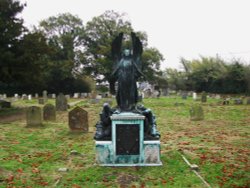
(127, 70)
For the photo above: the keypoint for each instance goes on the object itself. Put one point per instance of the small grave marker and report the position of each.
(61, 103)
(78, 120)
(34, 116)
(196, 113)
(49, 112)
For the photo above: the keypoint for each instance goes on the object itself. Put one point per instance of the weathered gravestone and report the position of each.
(49, 112)
(238, 101)
(248, 101)
(196, 113)
(29, 97)
(184, 95)
(61, 103)
(78, 120)
(24, 97)
(45, 97)
(53, 95)
(34, 116)
(41, 101)
(194, 96)
(203, 97)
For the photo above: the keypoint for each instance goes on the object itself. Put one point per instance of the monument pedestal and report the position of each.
(127, 146)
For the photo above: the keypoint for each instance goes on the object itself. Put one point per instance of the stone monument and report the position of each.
(126, 135)
(49, 112)
(61, 103)
(78, 120)
(34, 116)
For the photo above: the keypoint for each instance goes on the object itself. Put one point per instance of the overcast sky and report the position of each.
(177, 28)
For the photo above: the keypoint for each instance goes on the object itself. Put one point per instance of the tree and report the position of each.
(151, 60)
(99, 33)
(11, 29)
(65, 33)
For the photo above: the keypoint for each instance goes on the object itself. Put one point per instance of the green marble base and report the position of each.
(128, 147)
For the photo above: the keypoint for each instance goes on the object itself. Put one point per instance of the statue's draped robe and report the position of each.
(127, 75)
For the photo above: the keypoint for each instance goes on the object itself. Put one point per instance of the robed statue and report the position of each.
(127, 70)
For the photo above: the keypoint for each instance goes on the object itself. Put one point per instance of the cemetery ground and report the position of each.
(219, 145)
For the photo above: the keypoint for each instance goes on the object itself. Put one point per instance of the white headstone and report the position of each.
(217, 96)
(4, 96)
(16, 95)
(53, 95)
(98, 97)
(76, 95)
(194, 95)
(29, 97)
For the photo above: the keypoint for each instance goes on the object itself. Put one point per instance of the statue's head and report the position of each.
(126, 52)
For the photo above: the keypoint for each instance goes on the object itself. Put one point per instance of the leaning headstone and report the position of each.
(61, 103)
(196, 113)
(34, 116)
(49, 112)
(5, 104)
(204, 97)
(78, 120)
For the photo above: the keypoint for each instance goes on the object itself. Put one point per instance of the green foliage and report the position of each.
(210, 74)
(11, 29)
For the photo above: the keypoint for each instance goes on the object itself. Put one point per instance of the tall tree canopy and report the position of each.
(11, 29)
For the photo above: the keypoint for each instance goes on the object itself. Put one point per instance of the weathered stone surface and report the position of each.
(194, 95)
(61, 103)
(204, 97)
(49, 112)
(248, 101)
(34, 116)
(238, 101)
(45, 97)
(78, 120)
(41, 101)
(152, 154)
(196, 113)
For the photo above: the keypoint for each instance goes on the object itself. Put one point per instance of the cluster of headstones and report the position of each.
(78, 117)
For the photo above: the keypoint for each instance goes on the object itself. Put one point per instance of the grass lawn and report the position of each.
(219, 145)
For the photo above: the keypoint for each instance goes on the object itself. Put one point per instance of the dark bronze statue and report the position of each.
(127, 70)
